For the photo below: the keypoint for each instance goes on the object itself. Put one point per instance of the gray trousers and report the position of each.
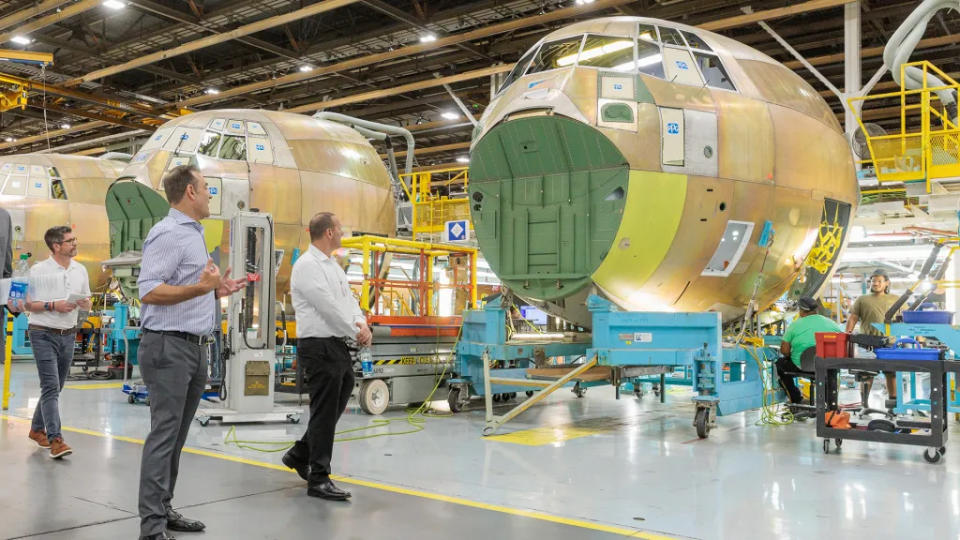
(175, 372)
(54, 354)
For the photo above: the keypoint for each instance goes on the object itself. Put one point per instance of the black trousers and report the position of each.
(786, 371)
(328, 376)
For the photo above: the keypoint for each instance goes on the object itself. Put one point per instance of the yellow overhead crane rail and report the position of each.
(931, 153)
(428, 192)
(16, 95)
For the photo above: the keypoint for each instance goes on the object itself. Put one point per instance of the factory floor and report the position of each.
(569, 468)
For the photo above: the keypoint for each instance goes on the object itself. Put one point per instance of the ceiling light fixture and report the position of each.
(212, 91)
(65, 125)
(21, 40)
(463, 159)
(114, 4)
(427, 38)
(9, 139)
(306, 68)
(447, 115)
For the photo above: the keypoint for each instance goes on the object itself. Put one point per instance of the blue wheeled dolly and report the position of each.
(625, 347)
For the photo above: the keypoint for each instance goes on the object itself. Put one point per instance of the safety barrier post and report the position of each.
(7, 356)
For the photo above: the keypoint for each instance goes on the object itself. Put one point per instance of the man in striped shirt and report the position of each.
(179, 286)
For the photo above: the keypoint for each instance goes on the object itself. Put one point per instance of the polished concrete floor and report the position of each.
(570, 468)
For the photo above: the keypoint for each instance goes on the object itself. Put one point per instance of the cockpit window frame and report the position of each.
(583, 47)
(583, 36)
(523, 65)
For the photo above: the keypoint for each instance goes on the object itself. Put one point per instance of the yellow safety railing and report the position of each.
(928, 143)
(432, 208)
(426, 252)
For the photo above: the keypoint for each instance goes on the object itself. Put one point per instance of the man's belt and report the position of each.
(58, 331)
(192, 338)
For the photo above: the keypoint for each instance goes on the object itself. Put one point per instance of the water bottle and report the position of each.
(21, 279)
(366, 361)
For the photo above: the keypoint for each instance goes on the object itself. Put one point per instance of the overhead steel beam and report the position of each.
(309, 11)
(412, 87)
(53, 18)
(89, 53)
(192, 20)
(432, 149)
(79, 128)
(30, 12)
(97, 140)
(872, 52)
(750, 18)
(120, 105)
(402, 16)
(487, 31)
(93, 116)
(409, 50)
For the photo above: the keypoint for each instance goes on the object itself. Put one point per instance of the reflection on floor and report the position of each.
(584, 468)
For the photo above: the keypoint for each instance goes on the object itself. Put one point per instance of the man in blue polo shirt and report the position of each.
(800, 336)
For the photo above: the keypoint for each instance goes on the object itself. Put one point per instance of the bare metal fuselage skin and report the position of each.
(292, 167)
(654, 186)
(46, 190)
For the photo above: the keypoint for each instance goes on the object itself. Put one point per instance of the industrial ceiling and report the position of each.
(123, 67)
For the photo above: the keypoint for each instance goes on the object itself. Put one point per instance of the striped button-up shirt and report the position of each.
(174, 253)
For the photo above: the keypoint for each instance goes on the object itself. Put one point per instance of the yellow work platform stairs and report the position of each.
(927, 145)
(437, 196)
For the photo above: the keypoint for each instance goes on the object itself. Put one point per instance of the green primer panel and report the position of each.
(616, 112)
(547, 195)
(132, 209)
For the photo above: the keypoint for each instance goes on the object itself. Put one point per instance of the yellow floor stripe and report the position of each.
(583, 524)
(93, 386)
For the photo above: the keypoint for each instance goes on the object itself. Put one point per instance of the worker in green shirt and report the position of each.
(800, 336)
(872, 308)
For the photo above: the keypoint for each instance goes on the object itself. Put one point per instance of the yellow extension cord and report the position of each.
(415, 418)
(769, 415)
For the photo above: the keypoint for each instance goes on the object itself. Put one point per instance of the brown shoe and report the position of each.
(58, 448)
(40, 438)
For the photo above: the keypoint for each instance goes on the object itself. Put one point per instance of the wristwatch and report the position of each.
(47, 306)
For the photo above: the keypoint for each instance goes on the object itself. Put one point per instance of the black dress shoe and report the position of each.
(302, 468)
(327, 490)
(176, 522)
(158, 536)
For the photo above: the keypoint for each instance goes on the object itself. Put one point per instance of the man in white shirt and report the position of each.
(327, 313)
(53, 330)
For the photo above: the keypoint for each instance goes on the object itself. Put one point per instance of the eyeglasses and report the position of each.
(70, 241)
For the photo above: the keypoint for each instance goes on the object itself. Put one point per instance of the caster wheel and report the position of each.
(932, 455)
(943, 450)
(826, 446)
(579, 391)
(701, 421)
(453, 400)
(513, 395)
(374, 396)
(838, 442)
(496, 398)
(131, 399)
(487, 431)
(529, 393)
(293, 418)
(203, 421)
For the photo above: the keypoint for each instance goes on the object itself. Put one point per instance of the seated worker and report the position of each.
(800, 336)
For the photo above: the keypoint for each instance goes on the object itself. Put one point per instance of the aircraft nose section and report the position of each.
(547, 195)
